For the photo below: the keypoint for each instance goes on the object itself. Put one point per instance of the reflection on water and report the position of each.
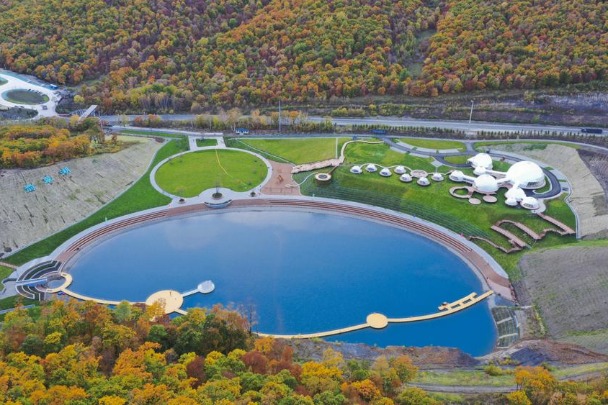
(299, 272)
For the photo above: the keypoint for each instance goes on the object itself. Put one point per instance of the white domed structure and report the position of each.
(386, 172)
(485, 184)
(515, 193)
(437, 177)
(457, 175)
(526, 174)
(530, 203)
(399, 170)
(371, 168)
(406, 178)
(423, 181)
(356, 170)
(481, 160)
(479, 171)
(511, 202)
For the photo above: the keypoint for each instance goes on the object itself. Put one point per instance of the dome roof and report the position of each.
(371, 168)
(385, 172)
(515, 193)
(511, 202)
(485, 184)
(355, 169)
(406, 178)
(399, 169)
(457, 175)
(423, 181)
(481, 160)
(525, 172)
(437, 176)
(530, 203)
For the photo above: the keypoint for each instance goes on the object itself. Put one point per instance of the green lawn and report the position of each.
(25, 97)
(4, 273)
(11, 302)
(529, 145)
(432, 143)
(201, 143)
(457, 159)
(139, 197)
(190, 174)
(296, 151)
(150, 133)
(464, 378)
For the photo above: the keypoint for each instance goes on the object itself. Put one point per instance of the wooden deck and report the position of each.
(444, 310)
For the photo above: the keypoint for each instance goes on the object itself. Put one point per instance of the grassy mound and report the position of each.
(190, 174)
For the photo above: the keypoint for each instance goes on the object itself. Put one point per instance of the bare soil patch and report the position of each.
(94, 181)
(570, 288)
(587, 198)
(281, 182)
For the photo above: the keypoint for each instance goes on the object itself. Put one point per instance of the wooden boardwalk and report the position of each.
(444, 310)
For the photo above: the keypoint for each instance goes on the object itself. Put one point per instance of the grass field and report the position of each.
(434, 203)
(139, 197)
(150, 133)
(201, 143)
(457, 159)
(4, 273)
(190, 174)
(529, 145)
(297, 151)
(25, 97)
(432, 143)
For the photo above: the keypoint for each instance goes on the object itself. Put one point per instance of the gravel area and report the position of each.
(587, 198)
(570, 288)
(94, 181)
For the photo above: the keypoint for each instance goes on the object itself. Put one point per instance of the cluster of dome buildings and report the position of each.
(404, 176)
(521, 176)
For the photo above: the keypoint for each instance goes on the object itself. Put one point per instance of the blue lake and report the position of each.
(301, 272)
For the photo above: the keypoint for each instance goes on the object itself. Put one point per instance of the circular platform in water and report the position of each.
(170, 299)
(206, 287)
(377, 321)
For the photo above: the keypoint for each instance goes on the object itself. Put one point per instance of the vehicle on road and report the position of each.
(592, 130)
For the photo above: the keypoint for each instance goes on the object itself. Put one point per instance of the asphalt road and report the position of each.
(474, 126)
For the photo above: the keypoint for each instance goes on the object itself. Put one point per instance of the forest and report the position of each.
(69, 352)
(48, 141)
(194, 55)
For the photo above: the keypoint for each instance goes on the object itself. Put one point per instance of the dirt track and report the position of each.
(94, 181)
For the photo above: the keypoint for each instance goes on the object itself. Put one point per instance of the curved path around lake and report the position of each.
(482, 263)
(379, 321)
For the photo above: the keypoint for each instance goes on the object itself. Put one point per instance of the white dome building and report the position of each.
(399, 170)
(406, 178)
(482, 160)
(437, 177)
(371, 168)
(515, 193)
(526, 174)
(356, 170)
(386, 172)
(530, 203)
(457, 175)
(423, 181)
(511, 202)
(485, 184)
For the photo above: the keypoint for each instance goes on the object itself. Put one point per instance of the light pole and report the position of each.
(471, 113)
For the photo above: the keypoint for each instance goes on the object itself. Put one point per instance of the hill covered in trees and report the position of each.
(167, 55)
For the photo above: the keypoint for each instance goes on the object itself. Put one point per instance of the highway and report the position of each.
(474, 126)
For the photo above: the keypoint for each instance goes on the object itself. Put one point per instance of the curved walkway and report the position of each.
(14, 82)
(379, 321)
